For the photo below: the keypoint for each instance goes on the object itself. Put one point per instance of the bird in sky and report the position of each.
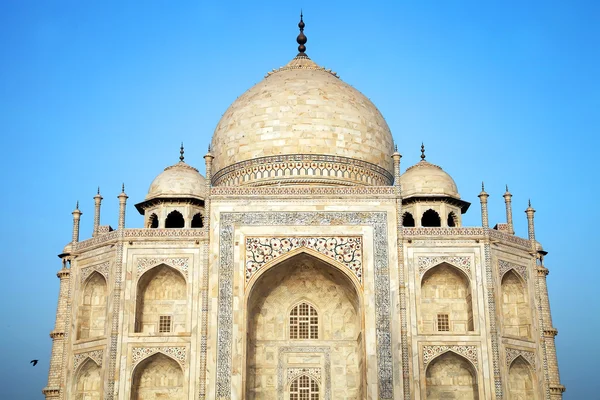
(34, 362)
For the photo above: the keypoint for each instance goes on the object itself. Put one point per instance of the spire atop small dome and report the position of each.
(301, 39)
(422, 152)
(181, 153)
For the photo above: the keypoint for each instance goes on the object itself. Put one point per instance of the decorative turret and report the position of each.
(509, 219)
(175, 198)
(483, 198)
(430, 197)
(122, 205)
(76, 219)
(97, 203)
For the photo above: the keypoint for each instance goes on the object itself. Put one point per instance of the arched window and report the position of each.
(452, 219)
(197, 221)
(174, 220)
(304, 322)
(304, 388)
(153, 221)
(408, 220)
(431, 219)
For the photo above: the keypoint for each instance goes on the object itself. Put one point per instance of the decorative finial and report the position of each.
(77, 205)
(422, 152)
(396, 148)
(301, 39)
(123, 188)
(529, 202)
(482, 187)
(506, 188)
(181, 153)
(209, 148)
(98, 190)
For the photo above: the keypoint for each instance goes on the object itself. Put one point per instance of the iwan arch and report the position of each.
(304, 265)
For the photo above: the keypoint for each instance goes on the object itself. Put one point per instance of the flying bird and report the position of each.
(34, 362)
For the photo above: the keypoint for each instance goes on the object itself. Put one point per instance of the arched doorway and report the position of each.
(88, 382)
(451, 377)
(158, 377)
(304, 314)
(520, 380)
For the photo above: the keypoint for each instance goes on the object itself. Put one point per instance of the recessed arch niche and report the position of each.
(161, 292)
(273, 295)
(520, 380)
(88, 381)
(452, 377)
(515, 305)
(91, 318)
(158, 377)
(445, 291)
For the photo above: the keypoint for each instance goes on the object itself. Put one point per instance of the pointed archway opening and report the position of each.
(452, 377)
(521, 384)
(303, 304)
(88, 381)
(158, 377)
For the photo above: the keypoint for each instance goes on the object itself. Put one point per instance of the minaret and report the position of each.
(122, 203)
(548, 331)
(483, 198)
(55, 375)
(97, 201)
(76, 218)
(509, 220)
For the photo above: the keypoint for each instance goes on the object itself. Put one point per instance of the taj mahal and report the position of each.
(307, 264)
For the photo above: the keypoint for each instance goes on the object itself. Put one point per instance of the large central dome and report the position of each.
(302, 125)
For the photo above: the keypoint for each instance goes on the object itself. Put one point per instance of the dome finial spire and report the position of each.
(181, 153)
(422, 152)
(301, 39)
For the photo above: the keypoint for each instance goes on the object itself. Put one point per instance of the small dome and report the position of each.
(179, 180)
(425, 179)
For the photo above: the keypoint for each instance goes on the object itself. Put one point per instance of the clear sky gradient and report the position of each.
(96, 93)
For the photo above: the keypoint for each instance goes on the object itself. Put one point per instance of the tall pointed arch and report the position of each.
(319, 302)
(91, 315)
(521, 381)
(88, 381)
(516, 313)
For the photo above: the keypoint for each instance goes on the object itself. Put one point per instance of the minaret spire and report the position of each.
(181, 153)
(301, 39)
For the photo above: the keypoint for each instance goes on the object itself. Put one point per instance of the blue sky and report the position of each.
(98, 93)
